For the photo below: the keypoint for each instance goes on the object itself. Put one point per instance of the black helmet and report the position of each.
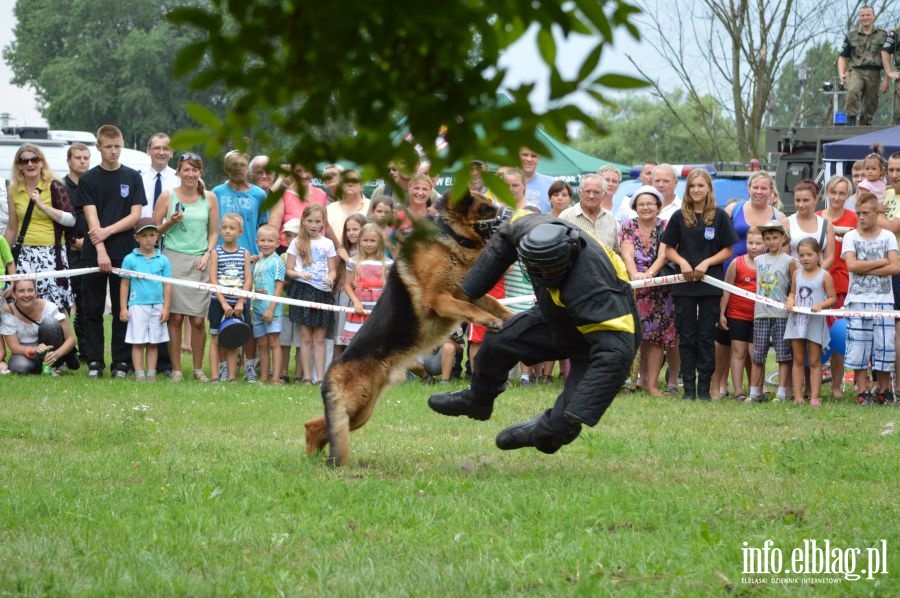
(547, 252)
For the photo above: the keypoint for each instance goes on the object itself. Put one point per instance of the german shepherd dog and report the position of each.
(420, 306)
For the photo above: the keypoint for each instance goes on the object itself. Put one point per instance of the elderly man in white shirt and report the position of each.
(665, 179)
(160, 176)
(589, 215)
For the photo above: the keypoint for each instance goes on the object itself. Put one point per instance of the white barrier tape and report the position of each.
(48, 274)
(838, 313)
(637, 284)
(203, 286)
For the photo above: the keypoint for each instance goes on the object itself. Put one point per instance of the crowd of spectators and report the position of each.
(335, 244)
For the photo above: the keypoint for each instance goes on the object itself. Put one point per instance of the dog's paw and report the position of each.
(493, 324)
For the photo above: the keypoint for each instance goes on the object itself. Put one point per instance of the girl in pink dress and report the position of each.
(365, 284)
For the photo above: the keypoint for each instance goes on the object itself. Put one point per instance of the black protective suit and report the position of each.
(591, 319)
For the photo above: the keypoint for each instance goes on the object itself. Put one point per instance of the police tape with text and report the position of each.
(638, 284)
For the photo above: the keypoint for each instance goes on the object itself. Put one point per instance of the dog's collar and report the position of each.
(447, 230)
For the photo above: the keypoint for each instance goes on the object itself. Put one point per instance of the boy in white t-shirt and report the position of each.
(871, 256)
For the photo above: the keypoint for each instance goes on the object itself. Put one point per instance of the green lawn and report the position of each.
(111, 487)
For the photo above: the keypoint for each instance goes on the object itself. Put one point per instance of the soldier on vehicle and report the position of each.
(860, 67)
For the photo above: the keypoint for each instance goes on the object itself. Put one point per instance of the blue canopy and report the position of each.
(856, 148)
(725, 189)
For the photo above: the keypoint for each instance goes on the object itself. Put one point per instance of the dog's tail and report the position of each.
(337, 420)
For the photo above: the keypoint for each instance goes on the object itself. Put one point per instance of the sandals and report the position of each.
(200, 376)
(671, 390)
(740, 397)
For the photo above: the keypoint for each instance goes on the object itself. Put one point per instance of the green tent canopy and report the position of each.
(566, 161)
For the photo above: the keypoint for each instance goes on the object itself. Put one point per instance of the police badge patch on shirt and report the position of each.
(709, 233)
(124, 190)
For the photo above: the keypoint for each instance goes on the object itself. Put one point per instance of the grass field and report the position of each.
(114, 488)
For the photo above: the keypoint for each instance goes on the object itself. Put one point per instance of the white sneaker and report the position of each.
(249, 374)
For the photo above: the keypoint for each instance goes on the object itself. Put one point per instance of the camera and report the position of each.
(179, 207)
(827, 86)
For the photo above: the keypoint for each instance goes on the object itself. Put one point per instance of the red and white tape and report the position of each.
(637, 284)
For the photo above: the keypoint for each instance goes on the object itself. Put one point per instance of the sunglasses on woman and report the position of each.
(32, 160)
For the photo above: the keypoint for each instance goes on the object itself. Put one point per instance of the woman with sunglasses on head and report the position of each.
(188, 220)
(350, 200)
(41, 212)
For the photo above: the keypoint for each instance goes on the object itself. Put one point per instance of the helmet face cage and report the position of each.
(486, 228)
(547, 252)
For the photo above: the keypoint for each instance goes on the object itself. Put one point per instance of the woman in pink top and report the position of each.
(299, 193)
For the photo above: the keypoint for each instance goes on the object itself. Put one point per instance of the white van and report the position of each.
(55, 145)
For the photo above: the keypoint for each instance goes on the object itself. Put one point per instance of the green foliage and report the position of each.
(115, 488)
(314, 82)
(643, 127)
(106, 61)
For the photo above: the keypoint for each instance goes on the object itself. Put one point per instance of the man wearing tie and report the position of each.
(158, 178)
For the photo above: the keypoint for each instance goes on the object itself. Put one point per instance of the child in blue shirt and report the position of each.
(268, 279)
(145, 303)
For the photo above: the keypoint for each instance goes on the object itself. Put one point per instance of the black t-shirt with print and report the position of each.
(112, 193)
(695, 244)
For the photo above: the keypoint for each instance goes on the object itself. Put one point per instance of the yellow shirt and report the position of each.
(40, 229)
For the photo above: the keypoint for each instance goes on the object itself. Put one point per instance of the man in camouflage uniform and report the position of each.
(890, 58)
(860, 66)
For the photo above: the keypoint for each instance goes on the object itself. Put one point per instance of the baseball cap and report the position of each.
(292, 226)
(144, 223)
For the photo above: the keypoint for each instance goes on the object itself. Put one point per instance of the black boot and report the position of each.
(71, 360)
(519, 435)
(703, 390)
(461, 402)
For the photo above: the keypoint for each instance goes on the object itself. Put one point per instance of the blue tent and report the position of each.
(856, 148)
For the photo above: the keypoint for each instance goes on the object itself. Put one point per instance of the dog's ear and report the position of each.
(464, 204)
(443, 203)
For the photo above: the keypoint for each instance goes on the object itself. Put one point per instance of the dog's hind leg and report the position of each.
(337, 421)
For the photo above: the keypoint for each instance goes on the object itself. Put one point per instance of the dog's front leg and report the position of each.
(493, 307)
(447, 306)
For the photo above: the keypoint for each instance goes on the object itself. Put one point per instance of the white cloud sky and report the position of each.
(18, 102)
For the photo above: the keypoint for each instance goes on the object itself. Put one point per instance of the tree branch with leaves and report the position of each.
(355, 81)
